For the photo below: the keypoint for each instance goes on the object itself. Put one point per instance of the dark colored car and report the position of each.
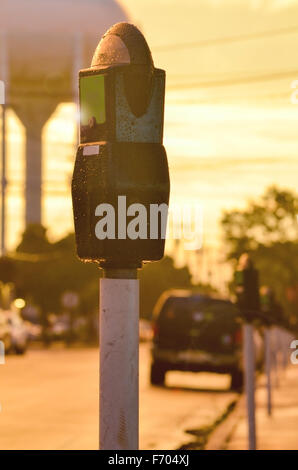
(197, 333)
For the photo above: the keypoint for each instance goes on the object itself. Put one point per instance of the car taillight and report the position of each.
(155, 329)
(238, 337)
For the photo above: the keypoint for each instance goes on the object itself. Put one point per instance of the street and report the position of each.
(49, 400)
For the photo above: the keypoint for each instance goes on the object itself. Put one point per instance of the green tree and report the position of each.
(268, 229)
(155, 278)
(46, 270)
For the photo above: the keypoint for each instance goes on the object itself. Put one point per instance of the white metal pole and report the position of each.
(284, 350)
(268, 369)
(249, 381)
(119, 361)
(275, 357)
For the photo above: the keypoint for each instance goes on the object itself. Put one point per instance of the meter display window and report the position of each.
(93, 110)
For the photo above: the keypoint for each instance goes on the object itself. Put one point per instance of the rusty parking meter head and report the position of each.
(121, 173)
(124, 44)
(247, 285)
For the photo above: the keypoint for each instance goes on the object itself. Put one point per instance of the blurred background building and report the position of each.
(230, 127)
(43, 45)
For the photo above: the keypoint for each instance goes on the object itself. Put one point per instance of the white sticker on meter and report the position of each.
(91, 150)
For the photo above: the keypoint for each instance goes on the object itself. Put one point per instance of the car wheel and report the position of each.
(237, 380)
(21, 348)
(7, 343)
(157, 374)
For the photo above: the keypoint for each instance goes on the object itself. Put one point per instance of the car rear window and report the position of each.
(195, 322)
(186, 311)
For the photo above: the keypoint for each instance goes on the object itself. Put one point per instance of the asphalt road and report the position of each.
(49, 400)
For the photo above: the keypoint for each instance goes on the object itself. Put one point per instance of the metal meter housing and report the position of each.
(121, 151)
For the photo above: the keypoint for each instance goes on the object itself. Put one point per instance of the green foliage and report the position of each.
(268, 229)
(49, 269)
(7, 269)
(34, 240)
(45, 270)
(272, 219)
(155, 278)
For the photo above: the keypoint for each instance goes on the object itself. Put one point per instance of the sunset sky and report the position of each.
(230, 126)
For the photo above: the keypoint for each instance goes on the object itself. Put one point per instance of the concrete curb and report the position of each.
(221, 434)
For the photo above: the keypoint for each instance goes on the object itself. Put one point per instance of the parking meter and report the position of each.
(120, 186)
(247, 286)
(247, 291)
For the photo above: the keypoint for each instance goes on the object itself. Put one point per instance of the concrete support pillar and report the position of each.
(33, 190)
(34, 111)
(4, 76)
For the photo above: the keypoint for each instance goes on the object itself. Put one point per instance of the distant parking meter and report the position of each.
(247, 286)
(120, 185)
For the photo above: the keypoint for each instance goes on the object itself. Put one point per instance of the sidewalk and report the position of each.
(276, 432)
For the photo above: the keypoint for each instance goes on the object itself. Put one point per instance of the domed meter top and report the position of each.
(122, 94)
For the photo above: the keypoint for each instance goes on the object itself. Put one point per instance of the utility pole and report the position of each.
(77, 65)
(120, 192)
(4, 79)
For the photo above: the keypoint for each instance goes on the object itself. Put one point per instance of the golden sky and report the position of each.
(230, 126)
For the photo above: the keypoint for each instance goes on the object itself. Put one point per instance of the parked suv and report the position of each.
(13, 332)
(5, 332)
(19, 332)
(197, 333)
